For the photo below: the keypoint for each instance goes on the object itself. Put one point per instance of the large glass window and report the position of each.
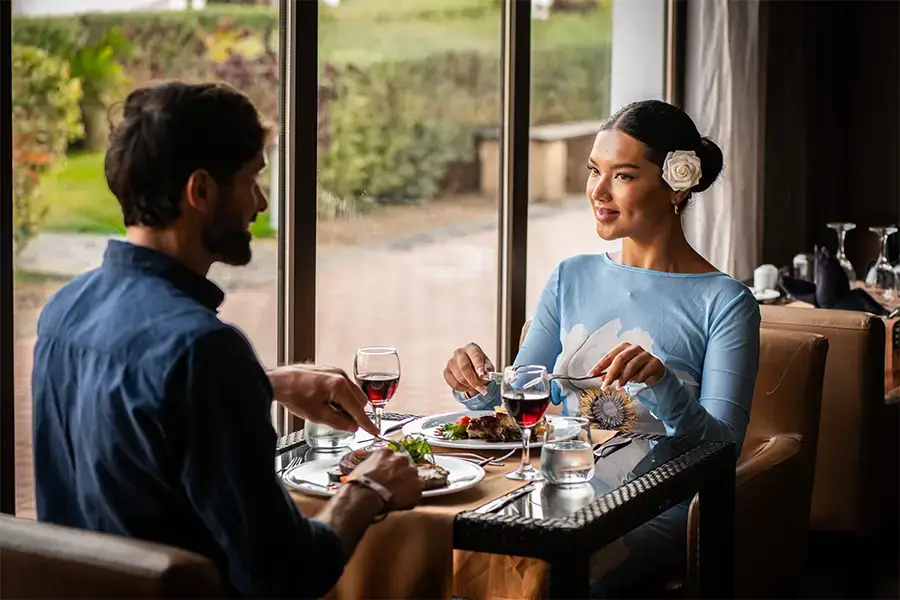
(67, 72)
(407, 233)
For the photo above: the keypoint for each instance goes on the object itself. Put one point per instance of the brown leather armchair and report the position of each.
(856, 482)
(38, 560)
(775, 470)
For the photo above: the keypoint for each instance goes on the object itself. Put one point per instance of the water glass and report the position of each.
(325, 437)
(568, 462)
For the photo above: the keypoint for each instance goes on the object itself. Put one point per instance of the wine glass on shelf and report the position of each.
(526, 394)
(882, 275)
(842, 228)
(377, 371)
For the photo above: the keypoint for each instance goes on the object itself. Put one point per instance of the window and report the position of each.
(64, 221)
(407, 228)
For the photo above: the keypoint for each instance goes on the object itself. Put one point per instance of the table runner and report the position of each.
(410, 554)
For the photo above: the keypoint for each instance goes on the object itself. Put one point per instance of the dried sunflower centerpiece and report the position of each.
(611, 408)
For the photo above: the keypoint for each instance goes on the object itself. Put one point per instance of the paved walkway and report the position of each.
(425, 294)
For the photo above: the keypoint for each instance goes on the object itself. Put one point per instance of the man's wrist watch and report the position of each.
(367, 482)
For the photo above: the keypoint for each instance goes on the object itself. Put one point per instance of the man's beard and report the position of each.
(227, 239)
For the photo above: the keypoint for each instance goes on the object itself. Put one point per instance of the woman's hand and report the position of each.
(629, 363)
(467, 370)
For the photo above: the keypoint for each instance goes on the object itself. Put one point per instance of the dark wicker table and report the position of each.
(672, 470)
(658, 472)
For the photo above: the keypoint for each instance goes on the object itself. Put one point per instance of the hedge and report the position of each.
(390, 131)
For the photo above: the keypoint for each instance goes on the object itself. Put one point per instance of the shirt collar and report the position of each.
(131, 256)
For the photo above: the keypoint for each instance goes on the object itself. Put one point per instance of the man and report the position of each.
(151, 416)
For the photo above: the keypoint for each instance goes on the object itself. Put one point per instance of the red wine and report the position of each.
(378, 387)
(526, 408)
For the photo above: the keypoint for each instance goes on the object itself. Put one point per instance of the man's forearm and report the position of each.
(350, 513)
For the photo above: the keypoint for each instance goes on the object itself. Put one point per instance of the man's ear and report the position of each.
(201, 191)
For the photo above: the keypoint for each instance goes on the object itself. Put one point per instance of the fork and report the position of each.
(294, 462)
(479, 459)
(553, 376)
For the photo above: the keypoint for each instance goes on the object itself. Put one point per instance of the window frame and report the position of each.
(7, 297)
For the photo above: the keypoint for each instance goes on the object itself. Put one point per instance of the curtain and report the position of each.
(724, 92)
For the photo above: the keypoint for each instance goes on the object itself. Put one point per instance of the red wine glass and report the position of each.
(377, 372)
(526, 394)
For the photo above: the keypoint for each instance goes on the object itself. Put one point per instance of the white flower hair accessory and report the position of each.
(681, 170)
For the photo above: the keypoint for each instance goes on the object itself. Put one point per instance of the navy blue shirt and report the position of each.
(152, 420)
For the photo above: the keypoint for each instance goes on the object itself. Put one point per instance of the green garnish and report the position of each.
(452, 431)
(418, 448)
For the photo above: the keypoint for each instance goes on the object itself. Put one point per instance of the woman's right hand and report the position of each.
(467, 370)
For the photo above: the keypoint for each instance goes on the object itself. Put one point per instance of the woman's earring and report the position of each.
(676, 209)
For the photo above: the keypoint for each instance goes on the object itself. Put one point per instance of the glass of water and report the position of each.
(569, 461)
(325, 437)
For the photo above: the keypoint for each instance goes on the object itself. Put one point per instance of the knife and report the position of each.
(495, 505)
(314, 485)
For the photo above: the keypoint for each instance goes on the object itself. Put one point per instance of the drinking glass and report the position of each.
(325, 437)
(526, 406)
(377, 371)
(842, 228)
(568, 462)
(882, 275)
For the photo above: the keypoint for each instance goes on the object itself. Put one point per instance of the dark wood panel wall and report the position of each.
(832, 132)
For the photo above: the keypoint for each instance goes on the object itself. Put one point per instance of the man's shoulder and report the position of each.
(134, 317)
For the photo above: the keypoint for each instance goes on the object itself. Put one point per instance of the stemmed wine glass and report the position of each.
(842, 229)
(377, 371)
(882, 275)
(526, 393)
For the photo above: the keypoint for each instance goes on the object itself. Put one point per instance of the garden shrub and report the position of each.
(390, 131)
(45, 117)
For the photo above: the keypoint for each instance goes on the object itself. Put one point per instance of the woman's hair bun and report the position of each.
(711, 162)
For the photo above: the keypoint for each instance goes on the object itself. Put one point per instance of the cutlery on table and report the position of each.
(479, 459)
(613, 444)
(313, 484)
(293, 463)
(495, 505)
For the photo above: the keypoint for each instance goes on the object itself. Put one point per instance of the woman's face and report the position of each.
(626, 190)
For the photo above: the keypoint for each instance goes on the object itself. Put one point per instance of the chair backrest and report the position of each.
(525, 329)
(775, 470)
(38, 560)
(855, 482)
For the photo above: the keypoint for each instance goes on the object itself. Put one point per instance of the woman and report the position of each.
(673, 342)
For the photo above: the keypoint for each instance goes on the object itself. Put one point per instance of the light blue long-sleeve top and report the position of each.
(703, 327)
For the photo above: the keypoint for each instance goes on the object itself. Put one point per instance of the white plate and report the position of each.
(564, 429)
(463, 475)
(766, 295)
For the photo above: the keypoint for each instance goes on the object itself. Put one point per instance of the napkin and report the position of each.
(832, 288)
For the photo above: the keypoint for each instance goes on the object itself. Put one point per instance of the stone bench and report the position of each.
(557, 158)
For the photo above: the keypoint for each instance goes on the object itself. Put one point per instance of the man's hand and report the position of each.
(322, 395)
(394, 471)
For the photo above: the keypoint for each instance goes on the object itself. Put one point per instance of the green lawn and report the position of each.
(78, 199)
(374, 30)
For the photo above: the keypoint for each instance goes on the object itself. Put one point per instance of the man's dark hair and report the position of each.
(664, 128)
(167, 132)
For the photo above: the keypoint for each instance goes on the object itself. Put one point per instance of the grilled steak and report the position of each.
(498, 427)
